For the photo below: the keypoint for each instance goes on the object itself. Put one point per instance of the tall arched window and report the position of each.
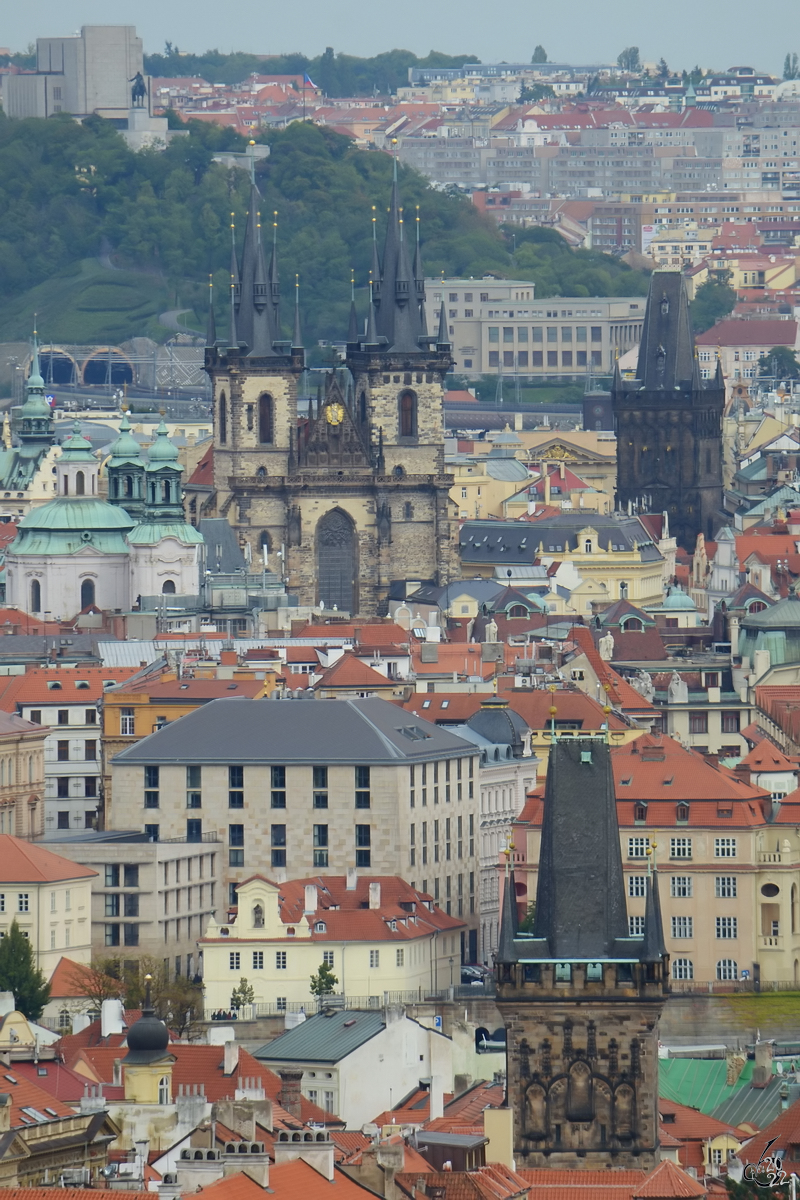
(265, 421)
(87, 593)
(127, 486)
(168, 587)
(408, 415)
(362, 406)
(80, 484)
(36, 596)
(163, 1090)
(336, 561)
(223, 419)
(66, 485)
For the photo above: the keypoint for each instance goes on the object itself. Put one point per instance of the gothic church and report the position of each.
(356, 495)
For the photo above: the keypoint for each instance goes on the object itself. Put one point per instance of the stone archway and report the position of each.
(337, 566)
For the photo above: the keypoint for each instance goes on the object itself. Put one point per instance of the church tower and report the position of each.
(669, 420)
(579, 997)
(355, 495)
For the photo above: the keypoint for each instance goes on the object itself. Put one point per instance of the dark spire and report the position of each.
(653, 948)
(297, 336)
(372, 324)
(719, 378)
(211, 325)
(274, 279)
(419, 274)
(665, 350)
(250, 253)
(234, 263)
(375, 265)
(398, 318)
(442, 337)
(352, 328)
(508, 921)
(580, 897)
(697, 378)
(233, 337)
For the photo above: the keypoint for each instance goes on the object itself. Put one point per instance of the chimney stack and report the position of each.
(375, 894)
(310, 902)
(231, 1059)
(352, 879)
(290, 1096)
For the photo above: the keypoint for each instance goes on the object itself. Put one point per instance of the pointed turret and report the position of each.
(419, 276)
(163, 484)
(233, 336)
(211, 325)
(375, 263)
(246, 312)
(697, 378)
(297, 335)
(274, 281)
(653, 946)
(352, 328)
(263, 331)
(398, 318)
(371, 338)
(442, 336)
(235, 280)
(508, 920)
(36, 416)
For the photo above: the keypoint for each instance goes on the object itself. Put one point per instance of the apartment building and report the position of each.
(351, 783)
(498, 326)
(148, 897)
(65, 701)
(728, 859)
(21, 776)
(49, 896)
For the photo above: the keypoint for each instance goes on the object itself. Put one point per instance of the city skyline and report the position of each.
(595, 34)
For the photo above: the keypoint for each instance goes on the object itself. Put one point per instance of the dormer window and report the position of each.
(683, 812)
(320, 927)
(54, 685)
(640, 813)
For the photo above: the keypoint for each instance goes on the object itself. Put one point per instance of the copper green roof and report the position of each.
(67, 525)
(699, 1082)
(125, 449)
(77, 448)
(151, 532)
(162, 452)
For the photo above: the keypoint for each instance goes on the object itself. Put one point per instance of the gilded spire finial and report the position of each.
(352, 284)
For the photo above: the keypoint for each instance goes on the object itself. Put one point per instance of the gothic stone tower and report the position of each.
(580, 998)
(356, 495)
(669, 420)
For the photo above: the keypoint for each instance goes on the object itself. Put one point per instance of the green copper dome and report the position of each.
(678, 599)
(77, 513)
(125, 449)
(77, 448)
(162, 452)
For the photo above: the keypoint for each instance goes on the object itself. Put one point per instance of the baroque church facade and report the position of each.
(355, 496)
(669, 420)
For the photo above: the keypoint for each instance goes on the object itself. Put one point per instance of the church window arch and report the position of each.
(87, 593)
(163, 1090)
(127, 485)
(587, 546)
(223, 418)
(362, 406)
(36, 596)
(168, 587)
(249, 418)
(518, 610)
(632, 625)
(80, 484)
(408, 414)
(266, 431)
(623, 590)
(165, 490)
(408, 510)
(337, 569)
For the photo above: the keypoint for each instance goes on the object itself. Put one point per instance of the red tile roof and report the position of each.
(26, 862)
(692, 1128)
(666, 1181)
(53, 1078)
(350, 672)
(59, 687)
(26, 1094)
(620, 693)
(193, 689)
(492, 1182)
(655, 767)
(66, 982)
(735, 332)
(46, 1193)
(785, 1130)
(767, 757)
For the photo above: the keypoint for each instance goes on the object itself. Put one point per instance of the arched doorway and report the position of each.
(36, 596)
(87, 593)
(337, 569)
(168, 587)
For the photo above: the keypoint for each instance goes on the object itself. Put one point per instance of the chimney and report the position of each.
(228, 658)
(436, 1095)
(231, 1059)
(5, 1112)
(352, 879)
(310, 903)
(374, 894)
(762, 1071)
(290, 1095)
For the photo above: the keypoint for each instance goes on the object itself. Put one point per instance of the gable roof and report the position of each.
(25, 862)
(656, 767)
(352, 672)
(77, 685)
(328, 1037)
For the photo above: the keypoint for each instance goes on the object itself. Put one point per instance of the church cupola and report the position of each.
(77, 466)
(163, 501)
(126, 472)
(35, 416)
(147, 1067)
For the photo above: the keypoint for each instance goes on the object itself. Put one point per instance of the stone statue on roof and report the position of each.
(678, 690)
(643, 682)
(490, 630)
(606, 646)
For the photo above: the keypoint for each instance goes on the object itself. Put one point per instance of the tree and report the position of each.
(530, 92)
(20, 975)
(99, 980)
(628, 60)
(180, 1005)
(713, 300)
(526, 924)
(243, 994)
(539, 55)
(791, 68)
(779, 363)
(323, 983)
(663, 70)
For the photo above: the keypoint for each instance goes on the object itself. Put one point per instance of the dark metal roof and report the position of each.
(327, 1037)
(297, 731)
(521, 541)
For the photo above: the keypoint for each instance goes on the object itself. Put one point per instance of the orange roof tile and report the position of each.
(619, 691)
(349, 672)
(65, 982)
(655, 767)
(26, 1094)
(298, 1181)
(666, 1181)
(26, 862)
(46, 1193)
(767, 757)
(59, 687)
(785, 1130)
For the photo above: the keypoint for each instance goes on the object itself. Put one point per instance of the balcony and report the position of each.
(769, 941)
(771, 856)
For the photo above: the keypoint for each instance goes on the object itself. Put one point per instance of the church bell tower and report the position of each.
(669, 420)
(579, 997)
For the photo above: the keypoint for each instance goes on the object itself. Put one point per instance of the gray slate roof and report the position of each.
(327, 1037)
(297, 731)
(519, 541)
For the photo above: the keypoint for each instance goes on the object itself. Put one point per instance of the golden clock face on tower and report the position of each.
(334, 413)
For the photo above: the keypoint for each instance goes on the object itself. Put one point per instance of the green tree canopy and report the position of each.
(779, 363)
(628, 60)
(790, 67)
(323, 983)
(539, 55)
(243, 994)
(712, 301)
(20, 975)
